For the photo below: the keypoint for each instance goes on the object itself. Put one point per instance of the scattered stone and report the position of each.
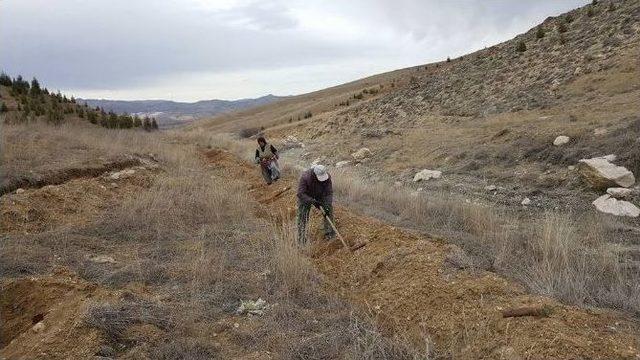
(106, 351)
(103, 259)
(361, 154)
(610, 205)
(39, 327)
(20, 191)
(602, 174)
(619, 193)
(571, 167)
(561, 140)
(114, 185)
(526, 201)
(600, 131)
(397, 184)
(291, 142)
(122, 174)
(427, 175)
(252, 307)
(490, 188)
(376, 133)
(343, 163)
(419, 189)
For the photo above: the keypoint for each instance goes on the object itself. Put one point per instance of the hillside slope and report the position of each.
(488, 118)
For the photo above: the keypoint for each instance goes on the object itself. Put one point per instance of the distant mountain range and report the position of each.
(172, 113)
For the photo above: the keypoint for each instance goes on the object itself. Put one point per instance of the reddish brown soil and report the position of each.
(59, 302)
(403, 278)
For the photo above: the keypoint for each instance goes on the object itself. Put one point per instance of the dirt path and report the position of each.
(415, 287)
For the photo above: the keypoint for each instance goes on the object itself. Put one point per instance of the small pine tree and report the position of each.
(448, 59)
(521, 47)
(612, 7)
(146, 123)
(594, 2)
(80, 113)
(539, 32)
(3, 108)
(590, 12)
(35, 87)
(568, 19)
(92, 116)
(5, 79)
(154, 124)
(137, 122)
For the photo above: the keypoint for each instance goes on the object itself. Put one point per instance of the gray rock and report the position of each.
(361, 154)
(609, 205)
(619, 193)
(602, 174)
(427, 175)
(561, 140)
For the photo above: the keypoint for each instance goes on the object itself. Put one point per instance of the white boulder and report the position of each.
(609, 205)
(526, 201)
(427, 175)
(610, 157)
(602, 174)
(20, 191)
(619, 193)
(561, 140)
(361, 154)
(490, 188)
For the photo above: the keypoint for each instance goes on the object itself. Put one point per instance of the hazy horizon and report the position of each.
(194, 50)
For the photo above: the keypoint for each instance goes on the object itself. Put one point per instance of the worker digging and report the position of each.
(267, 157)
(315, 189)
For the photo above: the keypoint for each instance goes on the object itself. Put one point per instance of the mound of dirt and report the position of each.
(43, 317)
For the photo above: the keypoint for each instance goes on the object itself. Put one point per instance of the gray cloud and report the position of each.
(136, 46)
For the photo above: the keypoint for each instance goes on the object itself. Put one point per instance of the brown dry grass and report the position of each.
(569, 258)
(187, 250)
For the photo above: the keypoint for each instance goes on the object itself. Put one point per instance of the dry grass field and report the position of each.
(168, 245)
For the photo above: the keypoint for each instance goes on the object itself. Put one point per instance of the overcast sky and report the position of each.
(187, 50)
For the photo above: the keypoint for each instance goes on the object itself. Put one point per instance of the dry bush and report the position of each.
(114, 319)
(568, 258)
(248, 132)
(291, 270)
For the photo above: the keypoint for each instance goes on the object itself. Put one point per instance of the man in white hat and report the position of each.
(314, 189)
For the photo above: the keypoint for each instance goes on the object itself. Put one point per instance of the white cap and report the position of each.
(321, 172)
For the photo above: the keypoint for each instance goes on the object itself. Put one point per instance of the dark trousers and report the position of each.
(303, 219)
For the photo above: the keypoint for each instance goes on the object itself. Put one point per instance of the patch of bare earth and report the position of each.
(414, 286)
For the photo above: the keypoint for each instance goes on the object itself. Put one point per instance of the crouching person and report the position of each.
(314, 189)
(266, 157)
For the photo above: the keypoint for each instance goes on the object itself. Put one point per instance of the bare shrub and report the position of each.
(114, 319)
(249, 132)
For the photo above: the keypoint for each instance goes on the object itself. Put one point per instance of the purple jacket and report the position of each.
(310, 189)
